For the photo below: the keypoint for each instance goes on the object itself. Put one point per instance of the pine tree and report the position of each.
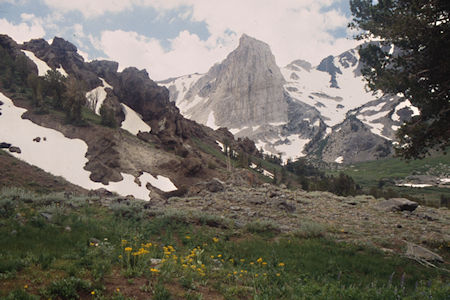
(74, 100)
(419, 68)
(55, 87)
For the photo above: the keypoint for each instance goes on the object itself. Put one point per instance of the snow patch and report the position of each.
(373, 108)
(211, 123)
(277, 123)
(133, 122)
(160, 182)
(268, 174)
(405, 104)
(42, 66)
(62, 71)
(294, 149)
(339, 160)
(96, 96)
(415, 185)
(375, 127)
(221, 145)
(444, 180)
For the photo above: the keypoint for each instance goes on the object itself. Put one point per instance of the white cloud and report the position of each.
(30, 28)
(188, 53)
(293, 28)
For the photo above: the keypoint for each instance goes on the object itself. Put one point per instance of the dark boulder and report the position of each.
(14, 149)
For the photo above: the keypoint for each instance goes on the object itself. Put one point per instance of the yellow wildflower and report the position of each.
(25, 286)
(215, 240)
(256, 275)
(154, 271)
(188, 237)
(219, 255)
(278, 274)
(264, 263)
(93, 293)
(281, 264)
(128, 249)
(124, 242)
(259, 260)
(242, 260)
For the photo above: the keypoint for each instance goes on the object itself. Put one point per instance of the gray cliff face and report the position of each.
(246, 89)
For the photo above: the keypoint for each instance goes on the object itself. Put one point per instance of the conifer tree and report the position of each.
(418, 68)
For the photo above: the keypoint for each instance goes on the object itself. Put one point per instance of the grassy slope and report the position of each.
(368, 174)
(59, 257)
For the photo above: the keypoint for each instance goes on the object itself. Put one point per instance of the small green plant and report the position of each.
(190, 295)
(67, 288)
(310, 229)
(161, 293)
(20, 295)
(263, 226)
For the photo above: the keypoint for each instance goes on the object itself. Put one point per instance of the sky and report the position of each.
(171, 38)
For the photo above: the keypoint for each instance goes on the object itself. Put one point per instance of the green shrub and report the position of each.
(161, 293)
(310, 229)
(67, 288)
(263, 226)
(20, 295)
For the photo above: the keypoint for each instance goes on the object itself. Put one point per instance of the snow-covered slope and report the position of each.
(334, 87)
(62, 156)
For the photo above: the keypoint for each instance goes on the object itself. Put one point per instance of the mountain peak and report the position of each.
(246, 41)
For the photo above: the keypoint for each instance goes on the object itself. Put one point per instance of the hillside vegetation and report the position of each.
(382, 174)
(60, 248)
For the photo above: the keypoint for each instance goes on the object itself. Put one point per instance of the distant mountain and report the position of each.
(296, 110)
